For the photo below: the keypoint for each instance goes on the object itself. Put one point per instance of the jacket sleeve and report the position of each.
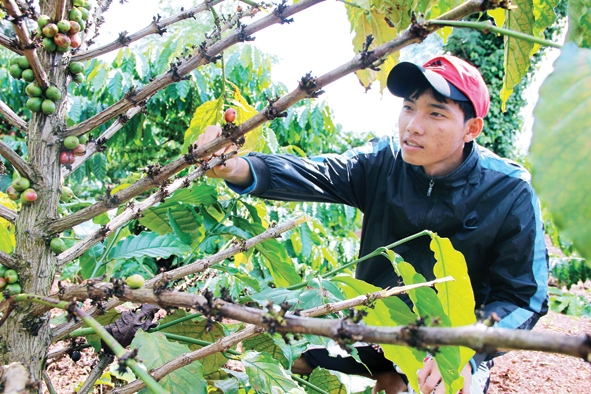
(328, 178)
(518, 274)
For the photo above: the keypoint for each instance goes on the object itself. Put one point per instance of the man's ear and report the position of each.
(473, 128)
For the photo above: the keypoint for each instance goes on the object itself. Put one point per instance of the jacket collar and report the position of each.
(465, 173)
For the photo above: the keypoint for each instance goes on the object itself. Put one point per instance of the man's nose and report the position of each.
(415, 125)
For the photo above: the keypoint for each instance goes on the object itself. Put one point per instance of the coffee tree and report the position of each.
(147, 229)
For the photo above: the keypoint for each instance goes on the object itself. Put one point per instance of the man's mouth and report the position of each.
(413, 143)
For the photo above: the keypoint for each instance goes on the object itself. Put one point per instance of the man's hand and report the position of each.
(430, 378)
(235, 170)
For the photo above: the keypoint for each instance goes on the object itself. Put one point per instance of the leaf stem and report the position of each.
(173, 322)
(487, 27)
(308, 384)
(375, 253)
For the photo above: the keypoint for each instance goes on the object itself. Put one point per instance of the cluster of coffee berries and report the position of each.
(72, 147)
(62, 35)
(9, 281)
(42, 101)
(20, 189)
(21, 68)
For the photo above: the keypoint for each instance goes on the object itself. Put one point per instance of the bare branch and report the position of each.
(8, 214)
(17, 162)
(478, 337)
(175, 74)
(60, 8)
(92, 147)
(12, 118)
(10, 43)
(7, 260)
(81, 291)
(26, 44)
(156, 27)
(105, 359)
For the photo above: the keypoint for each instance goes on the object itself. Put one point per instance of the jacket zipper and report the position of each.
(431, 183)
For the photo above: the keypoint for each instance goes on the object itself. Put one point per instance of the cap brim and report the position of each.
(405, 76)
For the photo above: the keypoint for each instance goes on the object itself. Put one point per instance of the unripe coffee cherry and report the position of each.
(135, 281)
(71, 142)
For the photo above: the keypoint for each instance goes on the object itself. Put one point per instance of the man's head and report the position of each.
(448, 76)
(444, 103)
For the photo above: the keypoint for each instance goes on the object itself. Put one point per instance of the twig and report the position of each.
(65, 350)
(156, 27)
(10, 43)
(60, 7)
(48, 383)
(12, 117)
(8, 214)
(81, 291)
(17, 162)
(92, 147)
(105, 360)
(26, 44)
(7, 260)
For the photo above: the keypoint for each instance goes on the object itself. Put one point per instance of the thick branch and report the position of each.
(156, 27)
(10, 43)
(12, 118)
(60, 7)
(202, 57)
(8, 214)
(81, 291)
(17, 162)
(478, 337)
(7, 260)
(26, 44)
(92, 147)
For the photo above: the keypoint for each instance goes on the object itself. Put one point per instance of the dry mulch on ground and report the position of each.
(544, 373)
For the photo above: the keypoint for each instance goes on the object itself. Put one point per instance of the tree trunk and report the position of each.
(25, 337)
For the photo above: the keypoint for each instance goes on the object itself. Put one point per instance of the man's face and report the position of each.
(433, 134)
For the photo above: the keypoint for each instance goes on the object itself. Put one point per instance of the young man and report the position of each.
(434, 177)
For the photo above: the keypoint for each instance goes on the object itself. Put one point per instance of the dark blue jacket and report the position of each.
(486, 207)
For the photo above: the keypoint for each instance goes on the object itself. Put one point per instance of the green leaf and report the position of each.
(267, 376)
(148, 244)
(155, 350)
(579, 23)
(429, 308)
(263, 343)
(388, 312)
(197, 328)
(518, 52)
(115, 85)
(327, 381)
(208, 113)
(178, 230)
(99, 166)
(559, 153)
(275, 256)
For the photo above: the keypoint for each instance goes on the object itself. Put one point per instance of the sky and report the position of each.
(318, 41)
